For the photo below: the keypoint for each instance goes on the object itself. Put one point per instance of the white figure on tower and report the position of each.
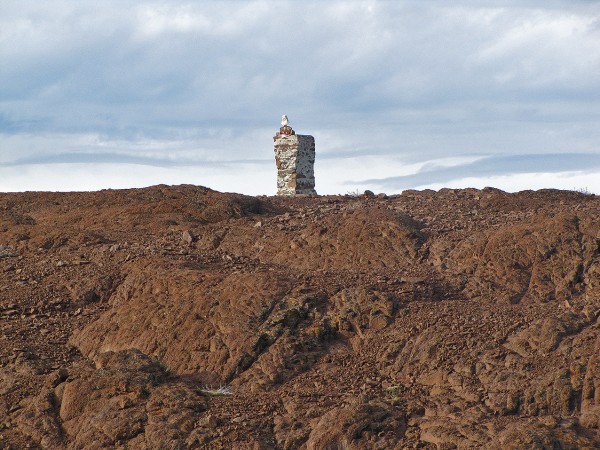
(284, 120)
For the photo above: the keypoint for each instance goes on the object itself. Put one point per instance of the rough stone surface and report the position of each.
(295, 160)
(428, 320)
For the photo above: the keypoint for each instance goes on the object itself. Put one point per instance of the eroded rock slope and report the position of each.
(433, 320)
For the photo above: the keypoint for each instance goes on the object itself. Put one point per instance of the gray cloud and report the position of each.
(176, 82)
(490, 167)
(116, 158)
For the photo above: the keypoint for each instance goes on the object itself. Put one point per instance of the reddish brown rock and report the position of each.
(451, 319)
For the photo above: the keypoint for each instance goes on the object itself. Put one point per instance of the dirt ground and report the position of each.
(175, 317)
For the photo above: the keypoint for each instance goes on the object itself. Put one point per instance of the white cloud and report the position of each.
(207, 81)
(259, 178)
(153, 21)
(252, 179)
(545, 48)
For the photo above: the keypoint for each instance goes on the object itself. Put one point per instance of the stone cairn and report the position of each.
(295, 159)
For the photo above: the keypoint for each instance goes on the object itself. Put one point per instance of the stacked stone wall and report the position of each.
(295, 159)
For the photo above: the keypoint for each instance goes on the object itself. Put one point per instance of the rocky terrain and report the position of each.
(180, 317)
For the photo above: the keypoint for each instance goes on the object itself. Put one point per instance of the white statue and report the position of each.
(284, 120)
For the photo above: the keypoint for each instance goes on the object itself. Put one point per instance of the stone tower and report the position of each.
(295, 159)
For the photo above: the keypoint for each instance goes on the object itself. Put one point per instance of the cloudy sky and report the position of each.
(398, 94)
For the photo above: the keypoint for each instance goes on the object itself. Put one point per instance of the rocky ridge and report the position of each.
(434, 320)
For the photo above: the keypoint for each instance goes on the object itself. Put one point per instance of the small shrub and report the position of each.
(585, 191)
(216, 392)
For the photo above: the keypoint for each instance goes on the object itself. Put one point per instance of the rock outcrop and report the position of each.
(180, 317)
